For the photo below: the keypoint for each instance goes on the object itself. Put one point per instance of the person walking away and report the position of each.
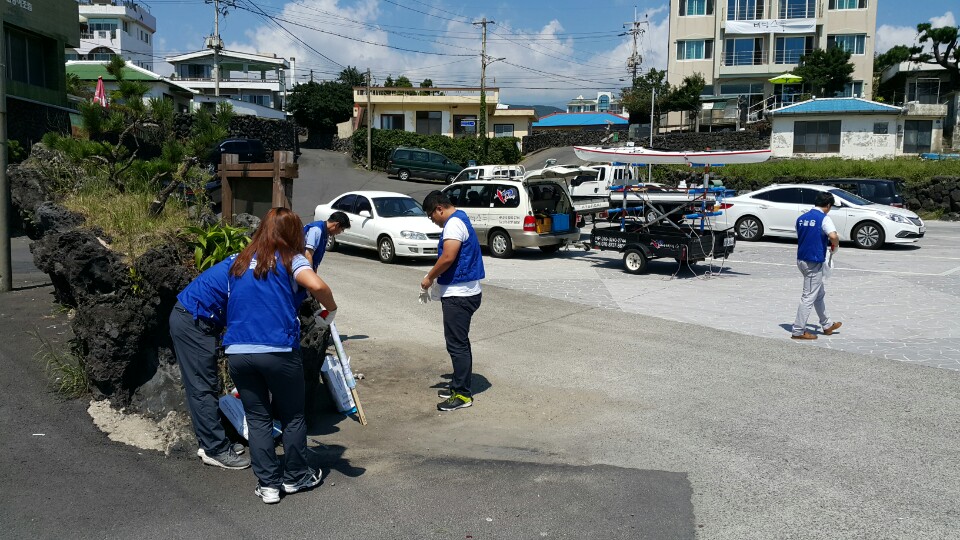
(317, 233)
(458, 271)
(262, 345)
(196, 322)
(815, 232)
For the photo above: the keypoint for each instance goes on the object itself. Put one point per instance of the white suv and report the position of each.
(514, 212)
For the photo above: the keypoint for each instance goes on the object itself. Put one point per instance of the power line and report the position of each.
(294, 36)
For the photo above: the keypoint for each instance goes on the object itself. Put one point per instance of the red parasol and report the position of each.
(100, 96)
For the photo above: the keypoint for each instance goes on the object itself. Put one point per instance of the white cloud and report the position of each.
(889, 35)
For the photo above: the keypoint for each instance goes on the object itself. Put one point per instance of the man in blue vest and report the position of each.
(815, 232)
(318, 232)
(458, 271)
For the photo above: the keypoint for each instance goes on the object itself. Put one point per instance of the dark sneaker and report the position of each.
(267, 494)
(445, 393)
(309, 481)
(238, 449)
(456, 401)
(226, 460)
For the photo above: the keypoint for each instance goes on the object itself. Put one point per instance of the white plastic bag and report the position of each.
(232, 408)
(336, 381)
(828, 265)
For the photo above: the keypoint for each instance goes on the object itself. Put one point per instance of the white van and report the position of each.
(527, 210)
(589, 186)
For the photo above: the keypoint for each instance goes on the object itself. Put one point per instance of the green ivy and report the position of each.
(215, 243)
(500, 150)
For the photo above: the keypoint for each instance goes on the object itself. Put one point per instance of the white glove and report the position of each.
(424, 296)
(325, 318)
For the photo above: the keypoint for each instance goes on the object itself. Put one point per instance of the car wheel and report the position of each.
(450, 178)
(651, 214)
(403, 175)
(501, 246)
(550, 249)
(385, 250)
(331, 243)
(868, 235)
(634, 261)
(748, 228)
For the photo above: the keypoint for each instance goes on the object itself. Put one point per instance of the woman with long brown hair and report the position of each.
(267, 282)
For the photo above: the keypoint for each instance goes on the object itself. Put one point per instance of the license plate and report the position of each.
(923, 228)
(728, 241)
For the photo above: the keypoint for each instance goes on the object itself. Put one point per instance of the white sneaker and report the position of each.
(309, 480)
(268, 494)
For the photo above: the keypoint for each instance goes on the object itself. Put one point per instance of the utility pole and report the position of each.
(482, 121)
(633, 63)
(311, 75)
(214, 42)
(653, 101)
(369, 126)
(6, 266)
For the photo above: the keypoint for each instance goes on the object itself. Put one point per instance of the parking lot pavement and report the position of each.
(898, 303)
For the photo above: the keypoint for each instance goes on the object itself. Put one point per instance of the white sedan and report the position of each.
(773, 211)
(391, 223)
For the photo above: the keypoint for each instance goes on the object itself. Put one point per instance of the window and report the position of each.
(345, 203)
(28, 60)
(790, 49)
(881, 128)
(854, 89)
(744, 10)
(438, 159)
(195, 71)
(695, 7)
(917, 135)
(743, 52)
(392, 121)
(505, 197)
(476, 196)
(363, 203)
(455, 194)
(603, 103)
(785, 196)
(738, 89)
(852, 43)
(397, 206)
(798, 9)
(695, 49)
(429, 123)
(401, 154)
(420, 156)
(503, 130)
(464, 125)
(847, 4)
(816, 137)
(258, 100)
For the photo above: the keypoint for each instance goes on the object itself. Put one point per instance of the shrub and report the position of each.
(215, 243)
(500, 150)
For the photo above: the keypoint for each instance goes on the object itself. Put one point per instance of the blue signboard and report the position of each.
(468, 123)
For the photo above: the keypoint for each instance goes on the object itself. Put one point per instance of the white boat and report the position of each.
(641, 155)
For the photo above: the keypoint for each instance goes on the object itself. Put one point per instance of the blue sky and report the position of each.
(553, 50)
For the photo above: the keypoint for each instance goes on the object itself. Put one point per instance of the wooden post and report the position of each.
(280, 173)
(226, 187)
(282, 184)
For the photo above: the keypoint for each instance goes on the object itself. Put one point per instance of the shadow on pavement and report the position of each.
(478, 382)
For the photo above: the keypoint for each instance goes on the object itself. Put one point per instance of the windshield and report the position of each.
(850, 197)
(397, 207)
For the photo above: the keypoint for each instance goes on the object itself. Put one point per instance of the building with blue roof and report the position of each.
(581, 120)
(853, 128)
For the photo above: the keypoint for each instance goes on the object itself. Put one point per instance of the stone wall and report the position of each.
(731, 140)
(275, 134)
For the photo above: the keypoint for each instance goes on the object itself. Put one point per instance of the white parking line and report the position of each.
(953, 271)
(897, 272)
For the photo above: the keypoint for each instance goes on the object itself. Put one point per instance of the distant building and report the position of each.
(925, 86)
(604, 102)
(258, 79)
(453, 112)
(35, 34)
(583, 120)
(115, 28)
(853, 128)
(157, 86)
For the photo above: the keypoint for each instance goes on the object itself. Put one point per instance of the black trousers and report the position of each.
(195, 345)
(457, 313)
(258, 376)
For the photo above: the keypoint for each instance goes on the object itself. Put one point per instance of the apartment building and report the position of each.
(738, 45)
(111, 28)
(256, 79)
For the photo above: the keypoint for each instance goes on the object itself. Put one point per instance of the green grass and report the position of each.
(67, 373)
(911, 169)
(126, 218)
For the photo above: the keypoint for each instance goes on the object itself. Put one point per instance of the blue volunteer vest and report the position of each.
(811, 242)
(206, 296)
(322, 248)
(262, 311)
(468, 266)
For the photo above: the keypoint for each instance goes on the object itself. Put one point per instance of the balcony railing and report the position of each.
(790, 56)
(797, 10)
(744, 58)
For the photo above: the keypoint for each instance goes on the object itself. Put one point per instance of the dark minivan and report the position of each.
(876, 190)
(409, 163)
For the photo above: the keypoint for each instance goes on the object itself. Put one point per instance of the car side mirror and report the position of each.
(365, 213)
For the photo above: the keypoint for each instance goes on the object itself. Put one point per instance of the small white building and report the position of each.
(926, 85)
(254, 78)
(157, 86)
(854, 128)
(111, 28)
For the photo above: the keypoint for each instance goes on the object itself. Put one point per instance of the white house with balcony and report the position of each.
(604, 102)
(115, 28)
(739, 45)
(256, 79)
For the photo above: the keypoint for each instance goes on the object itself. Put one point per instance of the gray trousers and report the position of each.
(812, 298)
(195, 345)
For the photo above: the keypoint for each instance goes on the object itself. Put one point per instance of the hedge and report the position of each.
(500, 150)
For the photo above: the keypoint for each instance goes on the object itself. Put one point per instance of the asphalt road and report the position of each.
(589, 423)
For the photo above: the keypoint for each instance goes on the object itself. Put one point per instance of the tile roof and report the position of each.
(89, 70)
(846, 105)
(580, 119)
